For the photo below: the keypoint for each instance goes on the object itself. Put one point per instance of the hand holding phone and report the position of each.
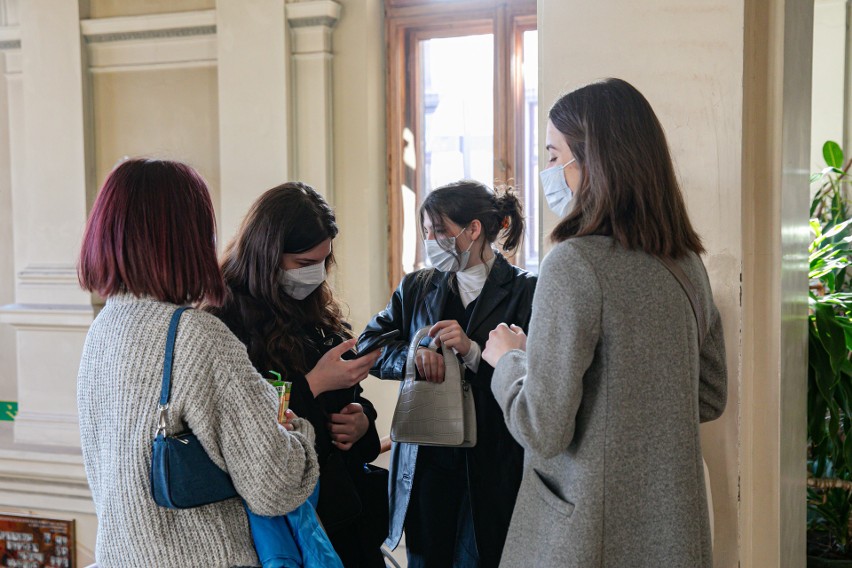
(332, 372)
(370, 344)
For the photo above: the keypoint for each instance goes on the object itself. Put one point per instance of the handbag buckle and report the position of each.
(161, 419)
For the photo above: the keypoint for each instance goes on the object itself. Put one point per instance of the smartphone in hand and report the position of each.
(370, 344)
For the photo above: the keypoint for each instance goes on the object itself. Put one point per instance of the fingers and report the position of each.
(516, 328)
(435, 372)
(345, 446)
(351, 408)
(418, 362)
(337, 352)
(443, 324)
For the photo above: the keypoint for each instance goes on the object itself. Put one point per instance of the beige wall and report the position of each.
(132, 107)
(829, 65)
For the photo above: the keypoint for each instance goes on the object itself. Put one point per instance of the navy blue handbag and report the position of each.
(182, 474)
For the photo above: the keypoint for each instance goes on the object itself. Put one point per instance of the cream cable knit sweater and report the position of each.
(217, 393)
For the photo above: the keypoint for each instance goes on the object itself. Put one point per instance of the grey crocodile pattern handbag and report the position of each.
(435, 414)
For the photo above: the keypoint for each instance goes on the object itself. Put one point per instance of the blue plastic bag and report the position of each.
(294, 540)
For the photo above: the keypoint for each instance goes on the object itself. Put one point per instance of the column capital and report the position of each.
(311, 22)
(306, 13)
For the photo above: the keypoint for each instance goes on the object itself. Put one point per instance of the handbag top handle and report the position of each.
(166, 389)
(687, 286)
(452, 374)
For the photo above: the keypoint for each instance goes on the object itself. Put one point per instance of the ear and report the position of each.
(475, 228)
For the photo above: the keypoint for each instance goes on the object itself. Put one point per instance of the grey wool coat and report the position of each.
(606, 402)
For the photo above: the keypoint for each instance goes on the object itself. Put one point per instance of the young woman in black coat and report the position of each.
(280, 305)
(455, 504)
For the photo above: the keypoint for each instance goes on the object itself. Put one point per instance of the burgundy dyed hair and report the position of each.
(152, 232)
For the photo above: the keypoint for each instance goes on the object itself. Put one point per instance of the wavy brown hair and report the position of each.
(629, 189)
(290, 218)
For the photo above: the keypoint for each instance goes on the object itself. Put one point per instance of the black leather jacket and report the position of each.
(495, 464)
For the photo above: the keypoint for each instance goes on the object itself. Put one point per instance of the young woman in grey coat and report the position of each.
(607, 393)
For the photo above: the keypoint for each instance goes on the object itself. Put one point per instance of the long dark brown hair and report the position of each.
(463, 201)
(290, 218)
(628, 190)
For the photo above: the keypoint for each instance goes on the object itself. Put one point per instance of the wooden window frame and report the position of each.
(407, 22)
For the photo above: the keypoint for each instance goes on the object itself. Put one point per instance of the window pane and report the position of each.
(530, 150)
(458, 109)
(456, 101)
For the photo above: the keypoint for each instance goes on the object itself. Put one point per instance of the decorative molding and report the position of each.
(150, 26)
(49, 274)
(159, 41)
(316, 21)
(46, 317)
(8, 12)
(47, 429)
(151, 34)
(48, 477)
(153, 53)
(10, 38)
(314, 13)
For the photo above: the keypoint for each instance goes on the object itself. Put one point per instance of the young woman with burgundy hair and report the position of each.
(149, 247)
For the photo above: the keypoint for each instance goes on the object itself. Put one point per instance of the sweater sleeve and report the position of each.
(235, 419)
(540, 391)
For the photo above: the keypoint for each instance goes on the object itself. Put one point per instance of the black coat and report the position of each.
(352, 504)
(495, 464)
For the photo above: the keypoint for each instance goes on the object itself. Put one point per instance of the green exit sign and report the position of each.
(8, 410)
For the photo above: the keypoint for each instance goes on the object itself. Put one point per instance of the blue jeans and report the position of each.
(439, 523)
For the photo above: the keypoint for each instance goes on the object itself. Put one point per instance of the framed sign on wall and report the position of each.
(35, 542)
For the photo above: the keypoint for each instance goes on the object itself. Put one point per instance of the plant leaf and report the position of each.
(833, 154)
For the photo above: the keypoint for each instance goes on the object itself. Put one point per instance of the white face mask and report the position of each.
(556, 190)
(442, 259)
(298, 283)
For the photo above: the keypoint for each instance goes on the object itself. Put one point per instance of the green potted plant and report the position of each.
(829, 367)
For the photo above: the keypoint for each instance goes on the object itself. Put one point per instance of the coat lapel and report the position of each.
(436, 298)
(493, 293)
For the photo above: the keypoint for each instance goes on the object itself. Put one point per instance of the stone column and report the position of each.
(254, 116)
(50, 314)
(311, 23)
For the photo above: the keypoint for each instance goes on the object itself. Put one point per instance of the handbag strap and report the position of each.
(691, 293)
(410, 367)
(452, 372)
(168, 360)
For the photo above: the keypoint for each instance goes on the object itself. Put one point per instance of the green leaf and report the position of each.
(831, 336)
(834, 230)
(833, 154)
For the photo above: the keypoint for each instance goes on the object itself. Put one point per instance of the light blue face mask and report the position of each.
(444, 260)
(555, 188)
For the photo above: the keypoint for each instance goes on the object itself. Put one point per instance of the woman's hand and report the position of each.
(501, 340)
(448, 333)
(333, 373)
(348, 426)
(289, 415)
(430, 364)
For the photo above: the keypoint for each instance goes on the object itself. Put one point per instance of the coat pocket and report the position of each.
(547, 492)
